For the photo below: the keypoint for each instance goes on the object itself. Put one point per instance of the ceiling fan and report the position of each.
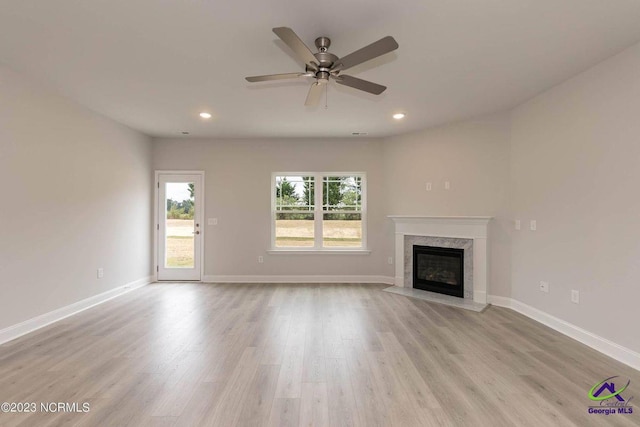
(324, 65)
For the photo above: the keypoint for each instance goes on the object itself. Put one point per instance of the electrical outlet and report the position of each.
(447, 185)
(428, 186)
(544, 287)
(100, 273)
(518, 224)
(213, 221)
(533, 225)
(260, 259)
(390, 260)
(575, 296)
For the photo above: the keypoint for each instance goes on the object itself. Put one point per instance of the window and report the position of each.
(318, 211)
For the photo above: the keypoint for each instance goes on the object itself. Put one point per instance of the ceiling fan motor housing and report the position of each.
(325, 59)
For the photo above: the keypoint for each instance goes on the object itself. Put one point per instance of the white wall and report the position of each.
(76, 195)
(238, 188)
(576, 170)
(474, 157)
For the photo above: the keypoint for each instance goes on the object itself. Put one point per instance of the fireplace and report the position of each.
(469, 233)
(439, 270)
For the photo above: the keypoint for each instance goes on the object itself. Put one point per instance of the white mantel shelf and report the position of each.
(440, 219)
(465, 227)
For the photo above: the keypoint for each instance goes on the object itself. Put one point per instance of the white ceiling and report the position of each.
(153, 65)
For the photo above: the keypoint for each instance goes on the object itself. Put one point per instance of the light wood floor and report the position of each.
(325, 355)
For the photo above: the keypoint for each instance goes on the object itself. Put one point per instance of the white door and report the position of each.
(179, 226)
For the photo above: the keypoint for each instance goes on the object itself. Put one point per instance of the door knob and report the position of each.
(196, 232)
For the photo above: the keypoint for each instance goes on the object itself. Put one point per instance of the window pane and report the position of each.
(179, 244)
(294, 230)
(342, 193)
(294, 193)
(342, 229)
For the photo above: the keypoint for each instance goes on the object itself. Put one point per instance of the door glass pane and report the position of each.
(179, 225)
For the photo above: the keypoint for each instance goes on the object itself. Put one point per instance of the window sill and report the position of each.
(319, 251)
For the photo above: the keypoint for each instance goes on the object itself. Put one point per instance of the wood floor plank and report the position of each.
(313, 366)
(285, 413)
(202, 405)
(290, 378)
(343, 410)
(237, 389)
(256, 407)
(370, 405)
(401, 408)
(314, 405)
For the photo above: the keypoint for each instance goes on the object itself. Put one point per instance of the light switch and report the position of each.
(428, 186)
(213, 221)
(575, 296)
(533, 225)
(544, 287)
(447, 185)
(518, 224)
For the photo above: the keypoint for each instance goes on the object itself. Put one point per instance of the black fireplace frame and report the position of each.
(433, 286)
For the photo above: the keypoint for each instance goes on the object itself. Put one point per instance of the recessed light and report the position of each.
(205, 115)
(398, 116)
(359, 133)
(184, 132)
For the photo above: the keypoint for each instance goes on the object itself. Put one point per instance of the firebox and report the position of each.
(439, 270)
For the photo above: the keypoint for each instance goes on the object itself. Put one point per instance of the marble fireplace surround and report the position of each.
(457, 231)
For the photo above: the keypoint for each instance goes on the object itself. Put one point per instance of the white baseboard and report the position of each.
(499, 301)
(299, 279)
(603, 345)
(15, 331)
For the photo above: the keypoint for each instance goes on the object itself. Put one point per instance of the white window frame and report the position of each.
(318, 216)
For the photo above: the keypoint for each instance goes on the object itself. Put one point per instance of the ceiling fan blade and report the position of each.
(270, 77)
(315, 92)
(292, 40)
(375, 49)
(357, 83)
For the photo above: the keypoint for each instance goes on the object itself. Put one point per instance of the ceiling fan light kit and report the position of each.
(325, 66)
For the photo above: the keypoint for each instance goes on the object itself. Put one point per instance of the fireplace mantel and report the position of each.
(464, 227)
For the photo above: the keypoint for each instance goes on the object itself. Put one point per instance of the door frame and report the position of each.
(156, 223)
